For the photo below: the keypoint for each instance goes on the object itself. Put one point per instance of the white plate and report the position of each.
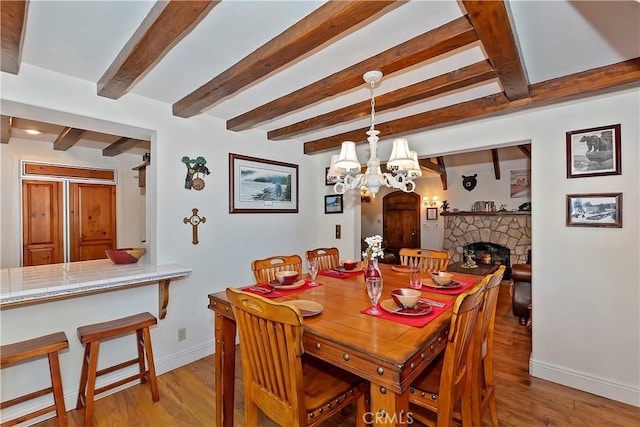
(307, 307)
(294, 285)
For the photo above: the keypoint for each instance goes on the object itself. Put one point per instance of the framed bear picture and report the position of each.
(594, 152)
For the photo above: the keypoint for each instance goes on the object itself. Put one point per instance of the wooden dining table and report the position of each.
(388, 354)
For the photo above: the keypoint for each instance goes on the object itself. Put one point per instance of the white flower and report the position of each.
(375, 247)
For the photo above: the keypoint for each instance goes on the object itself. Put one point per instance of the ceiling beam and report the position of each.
(496, 162)
(443, 175)
(450, 36)
(120, 146)
(525, 150)
(470, 75)
(491, 21)
(67, 138)
(325, 23)
(588, 83)
(164, 26)
(5, 128)
(429, 165)
(12, 24)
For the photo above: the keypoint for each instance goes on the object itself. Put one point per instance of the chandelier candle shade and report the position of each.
(403, 164)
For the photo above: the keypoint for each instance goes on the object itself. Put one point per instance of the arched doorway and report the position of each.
(401, 221)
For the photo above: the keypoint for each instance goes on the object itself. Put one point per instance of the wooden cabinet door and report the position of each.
(42, 236)
(92, 220)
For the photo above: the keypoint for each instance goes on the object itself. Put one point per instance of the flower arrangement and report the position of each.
(374, 249)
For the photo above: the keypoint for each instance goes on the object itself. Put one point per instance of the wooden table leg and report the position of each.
(388, 408)
(224, 360)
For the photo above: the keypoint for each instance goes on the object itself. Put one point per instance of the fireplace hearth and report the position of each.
(490, 253)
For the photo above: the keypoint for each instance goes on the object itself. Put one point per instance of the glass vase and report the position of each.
(372, 269)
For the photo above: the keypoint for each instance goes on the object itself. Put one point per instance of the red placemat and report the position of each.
(417, 321)
(340, 275)
(277, 293)
(466, 284)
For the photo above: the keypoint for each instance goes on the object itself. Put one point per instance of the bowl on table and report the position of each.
(405, 297)
(442, 278)
(287, 277)
(349, 264)
(125, 255)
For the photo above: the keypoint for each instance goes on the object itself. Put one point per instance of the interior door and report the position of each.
(42, 234)
(92, 220)
(401, 221)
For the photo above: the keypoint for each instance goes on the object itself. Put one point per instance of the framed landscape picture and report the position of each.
(333, 204)
(262, 186)
(594, 152)
(594, 210)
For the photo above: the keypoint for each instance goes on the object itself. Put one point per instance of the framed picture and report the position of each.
(326, 181)
(432, 213)
(594, 152)
(520, 183)
(333, 204)
(594, 210)
(262, 186)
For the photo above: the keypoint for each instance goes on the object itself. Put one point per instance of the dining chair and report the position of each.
(483, 388)
(264, 270)
(288, 386)
(427, 259)
(448, 379)
(328, 258)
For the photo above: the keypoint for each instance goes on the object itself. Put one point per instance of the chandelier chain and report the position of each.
(373, 106)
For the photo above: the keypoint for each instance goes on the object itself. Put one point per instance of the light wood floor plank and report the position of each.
(187, 394)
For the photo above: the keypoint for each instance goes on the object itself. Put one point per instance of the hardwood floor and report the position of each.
(186, 394)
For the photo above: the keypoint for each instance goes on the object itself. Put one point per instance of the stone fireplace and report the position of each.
(511, 230)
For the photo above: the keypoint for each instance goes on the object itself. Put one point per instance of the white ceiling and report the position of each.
(556, 38)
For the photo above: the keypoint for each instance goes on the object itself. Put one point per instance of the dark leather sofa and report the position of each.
(521, 295)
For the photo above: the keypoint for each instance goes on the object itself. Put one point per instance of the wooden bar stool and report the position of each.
(92, 335)
(48, 345)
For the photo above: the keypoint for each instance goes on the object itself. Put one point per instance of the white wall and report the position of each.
(130, 199)
(579, 337)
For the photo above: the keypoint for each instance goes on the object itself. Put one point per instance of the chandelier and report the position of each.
(403, 164)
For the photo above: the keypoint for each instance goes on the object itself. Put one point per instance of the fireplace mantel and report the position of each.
(496, 213)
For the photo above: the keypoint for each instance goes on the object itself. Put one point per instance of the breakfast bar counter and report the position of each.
(44, 283)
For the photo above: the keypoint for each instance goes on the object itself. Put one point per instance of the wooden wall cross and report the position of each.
(195, 220)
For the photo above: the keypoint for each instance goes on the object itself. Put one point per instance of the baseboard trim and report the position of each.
(581, 381)
(162, 366)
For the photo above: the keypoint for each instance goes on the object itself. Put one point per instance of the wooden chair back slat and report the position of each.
(328, 258)
(264, 270)
(426, 259)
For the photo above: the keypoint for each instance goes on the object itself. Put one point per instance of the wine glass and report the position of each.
(374, 289)
(312, 265)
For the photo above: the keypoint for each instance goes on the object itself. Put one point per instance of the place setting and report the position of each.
(406, 305)
(348, 268)
(286, 283)
(445, 283)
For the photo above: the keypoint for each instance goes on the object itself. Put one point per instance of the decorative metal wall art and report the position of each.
(196, 171)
